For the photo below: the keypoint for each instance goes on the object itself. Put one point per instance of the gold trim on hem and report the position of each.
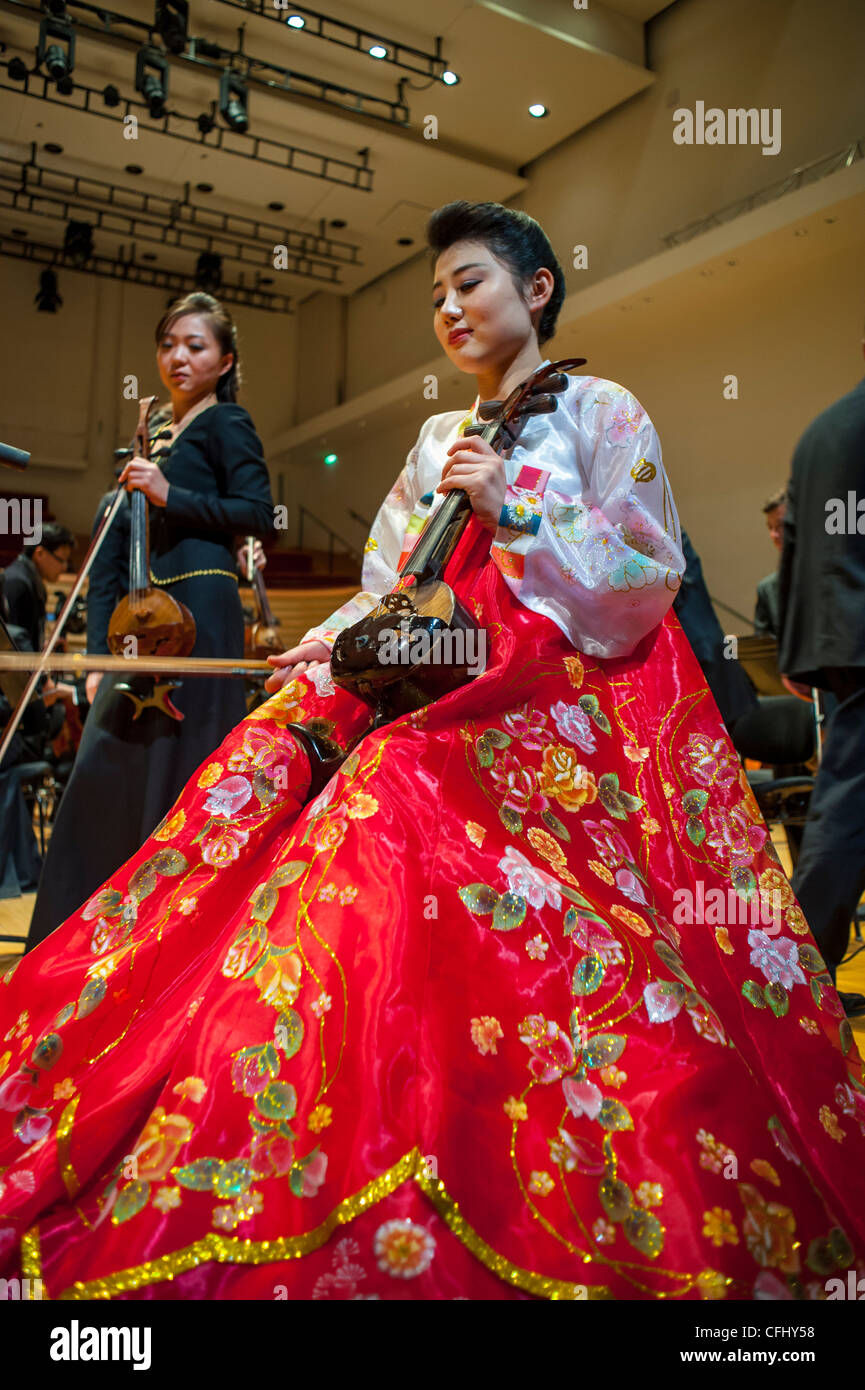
(31, 1262)
(64, 1145)
(221, 1249)
(538, 1284)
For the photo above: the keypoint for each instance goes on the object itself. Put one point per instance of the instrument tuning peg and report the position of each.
(488, 409)
(539, 405)
(473, 429)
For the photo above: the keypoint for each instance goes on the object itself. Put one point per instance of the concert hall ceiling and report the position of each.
(129, 119)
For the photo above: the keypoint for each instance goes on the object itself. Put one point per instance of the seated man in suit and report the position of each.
(766, 618)
(822, 643)
(26, 577)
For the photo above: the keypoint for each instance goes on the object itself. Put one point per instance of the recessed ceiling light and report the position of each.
(538, 109)
(134, 169)
(148, 255)
(265, 279)
(337, 222)
(830, 219)
(18, 231)
(449, 78)
(276, 207)
(204, 187)
(377, 50)
(801, 231)
(295, 21)
(405, 241)
(52, 148)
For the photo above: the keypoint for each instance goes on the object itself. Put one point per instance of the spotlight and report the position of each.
(208, 272)
(377, 50)
(331, 459)
(234, 101)
(47, 297)
(205, 123)
(111, 95)
(172, 23)
(151, 79)
(18, 70)
(449, 78)
(78, 243)
(295, 21)
(538, 109)
(59, 57)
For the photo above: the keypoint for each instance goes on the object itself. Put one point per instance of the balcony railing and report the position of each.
(808, 173)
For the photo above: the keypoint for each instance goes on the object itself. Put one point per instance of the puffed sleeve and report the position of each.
(382, 551)
(594, 543)
(244, 503)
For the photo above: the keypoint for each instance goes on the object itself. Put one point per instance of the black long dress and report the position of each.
(129, 771)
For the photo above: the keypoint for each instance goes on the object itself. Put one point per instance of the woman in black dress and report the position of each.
(206, 482)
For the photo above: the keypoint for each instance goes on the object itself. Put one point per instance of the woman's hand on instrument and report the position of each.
(297, 662)
(259, 559)
(147, 477)
(474, 466)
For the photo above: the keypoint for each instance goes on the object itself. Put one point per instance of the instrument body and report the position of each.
(147, 621)
(412, 648)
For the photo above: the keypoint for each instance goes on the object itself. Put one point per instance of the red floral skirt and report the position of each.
(521, 1005)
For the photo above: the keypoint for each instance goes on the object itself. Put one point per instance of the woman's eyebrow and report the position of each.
(472, 265)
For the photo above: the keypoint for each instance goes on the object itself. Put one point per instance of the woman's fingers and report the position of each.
(285, 658)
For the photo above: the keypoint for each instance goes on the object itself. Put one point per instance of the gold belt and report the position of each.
(191, 574)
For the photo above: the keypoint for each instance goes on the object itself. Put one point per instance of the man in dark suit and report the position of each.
(767, 620)
(26, 576)
(822, 593)
(733, 693)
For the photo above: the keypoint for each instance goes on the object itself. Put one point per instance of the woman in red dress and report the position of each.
(521, 999)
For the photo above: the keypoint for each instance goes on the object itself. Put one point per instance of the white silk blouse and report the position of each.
(589, 535)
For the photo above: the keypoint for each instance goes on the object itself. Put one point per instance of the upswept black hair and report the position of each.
(513, 237)
(223, 328)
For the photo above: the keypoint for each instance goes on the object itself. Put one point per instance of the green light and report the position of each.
(331, 459)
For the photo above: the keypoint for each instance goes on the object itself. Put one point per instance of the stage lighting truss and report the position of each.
(102, 24)
(176, 125)
(126, 212)
(27, 187)
(347, 35)
(118, 268)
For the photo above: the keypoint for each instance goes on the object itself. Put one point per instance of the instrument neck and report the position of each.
(438, 539)
(265, 612)
(139, 545)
